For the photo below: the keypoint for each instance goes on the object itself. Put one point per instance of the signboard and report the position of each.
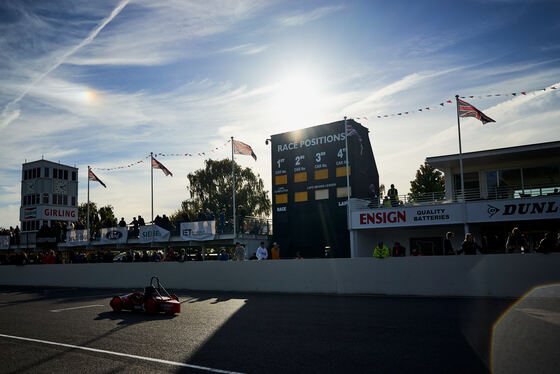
(49, 212)
(153, 233)
(442, 214)
(514, 210)
(198, 231)
(76, 237)
(409, 216)
(4, 242)
(114, 235)
(309, 186)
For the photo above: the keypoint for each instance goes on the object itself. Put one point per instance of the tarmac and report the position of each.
(55, 330)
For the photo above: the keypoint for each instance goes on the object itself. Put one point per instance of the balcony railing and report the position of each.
(510, 192)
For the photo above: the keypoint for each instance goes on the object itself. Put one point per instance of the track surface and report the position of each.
(249, 333)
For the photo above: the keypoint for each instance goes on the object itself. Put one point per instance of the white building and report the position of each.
(49, 194)
(504, 188)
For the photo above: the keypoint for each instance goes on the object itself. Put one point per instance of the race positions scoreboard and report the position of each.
(310, 188)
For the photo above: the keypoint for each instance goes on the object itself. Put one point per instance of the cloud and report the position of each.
(306, 17)
(156, 33)
(7, 113)
(246, 49)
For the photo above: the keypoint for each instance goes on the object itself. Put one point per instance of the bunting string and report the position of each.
(446, 102)
(206, 153)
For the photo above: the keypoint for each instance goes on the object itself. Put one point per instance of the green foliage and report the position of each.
(428, 180)
(210, 189)
(104, 217)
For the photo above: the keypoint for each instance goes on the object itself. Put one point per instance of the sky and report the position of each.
(104, 83)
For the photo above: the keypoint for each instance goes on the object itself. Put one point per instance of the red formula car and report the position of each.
(154, 299)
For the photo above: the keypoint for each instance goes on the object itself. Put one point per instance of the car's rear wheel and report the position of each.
(150, 306)
(116, 304)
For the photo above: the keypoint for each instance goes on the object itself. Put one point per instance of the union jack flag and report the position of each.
(467, 110)
(93, 177)
(240, 148)
(351, 131)
(158, 165)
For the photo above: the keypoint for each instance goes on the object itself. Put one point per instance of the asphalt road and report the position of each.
(74, 330)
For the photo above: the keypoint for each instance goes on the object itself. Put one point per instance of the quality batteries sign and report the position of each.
(412, 216)
(153, 233)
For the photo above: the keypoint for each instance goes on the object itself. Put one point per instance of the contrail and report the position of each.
(6, 117)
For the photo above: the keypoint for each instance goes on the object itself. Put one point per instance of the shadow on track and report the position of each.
(126, 319)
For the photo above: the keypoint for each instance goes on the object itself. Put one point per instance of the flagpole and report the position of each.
(233, 191)
(347, 165)
(87, 219)
(348, 190)
(152, 182)
(465, 224)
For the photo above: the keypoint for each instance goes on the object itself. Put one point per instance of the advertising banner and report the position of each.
(198, 231)
(114, 235)
(410, 216)
(443, 214)
(76, 237)
(153, 233)
(514, 210)
(56, 213)
(4, 242)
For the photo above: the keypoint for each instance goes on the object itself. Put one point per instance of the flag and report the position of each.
(240, 148)
(93, 177)
(467, 110)
(351, 131)
(158, 165)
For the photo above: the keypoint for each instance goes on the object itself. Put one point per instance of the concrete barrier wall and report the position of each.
(487, 275)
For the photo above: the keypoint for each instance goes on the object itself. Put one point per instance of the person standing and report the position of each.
(548, 244)
(516, 243)
(393, 196)
(398, 250)
(222, 222)
(381, 251)
(469, 245)
(262, 253)
(447, 245)
(275, 252)
(239, 252)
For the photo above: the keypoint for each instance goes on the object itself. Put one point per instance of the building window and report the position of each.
(73, 200)
(472, 186)
(65, 200)
(73, 175)
(322, 194)
(45, 198)
(46, 172)
(55, 173)
(38, 172)
(66, 174)
(34, 174)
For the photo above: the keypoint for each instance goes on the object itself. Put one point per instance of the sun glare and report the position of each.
(298, 95)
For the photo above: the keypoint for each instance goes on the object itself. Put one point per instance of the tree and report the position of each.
(104, 217)
(210, 189)
(429, 181)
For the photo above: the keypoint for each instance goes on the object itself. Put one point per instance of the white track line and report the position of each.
(166, 362)
(76, 307)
